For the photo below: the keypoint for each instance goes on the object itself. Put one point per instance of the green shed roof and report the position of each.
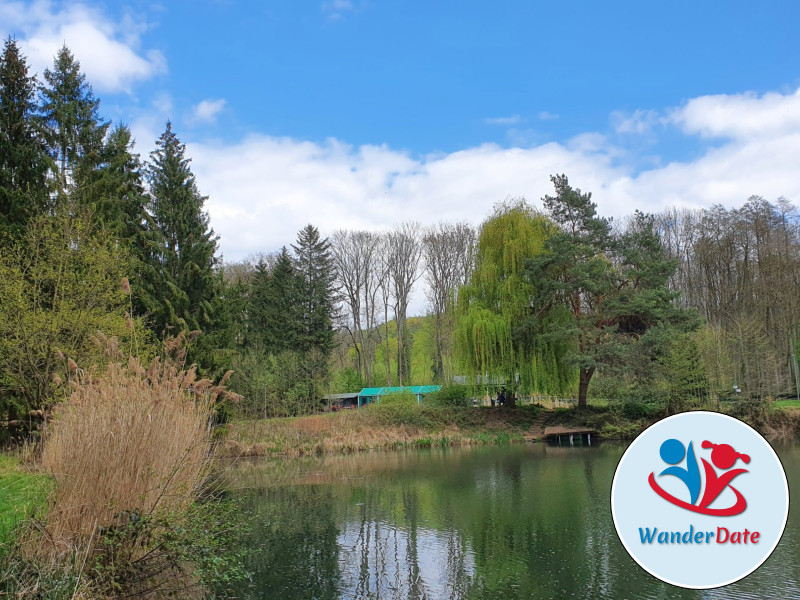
(414, 389)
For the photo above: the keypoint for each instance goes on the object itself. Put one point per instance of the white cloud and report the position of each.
(740, 116)
(639, 122)
(336, 9)
(109, 52)
(264, 189)
(512, 120)
(207, 111)
(545, 115)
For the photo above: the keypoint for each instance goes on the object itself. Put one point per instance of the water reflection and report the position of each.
(524, 522)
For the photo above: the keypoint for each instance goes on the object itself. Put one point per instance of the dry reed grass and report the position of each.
(129, 440)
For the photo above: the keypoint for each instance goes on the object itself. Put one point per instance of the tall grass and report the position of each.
(129, 451)
(133, 439)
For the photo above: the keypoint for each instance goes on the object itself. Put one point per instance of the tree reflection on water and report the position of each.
(520, 522)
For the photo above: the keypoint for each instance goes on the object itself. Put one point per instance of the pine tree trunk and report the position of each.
(583, 387)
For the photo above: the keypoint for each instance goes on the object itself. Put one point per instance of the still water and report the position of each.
(517, 522)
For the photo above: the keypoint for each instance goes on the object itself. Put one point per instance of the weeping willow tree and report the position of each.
(491, 338)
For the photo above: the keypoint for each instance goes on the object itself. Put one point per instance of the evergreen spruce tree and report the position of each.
(117, 188)
(179, 252)
(280, 310)
(23, 158)
(72, 126)
(313, 263)
(257, 310)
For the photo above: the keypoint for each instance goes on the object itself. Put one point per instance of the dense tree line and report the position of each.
(282, 308)
(679, 307)
(375, 276)
(91, 238)
(740, 268)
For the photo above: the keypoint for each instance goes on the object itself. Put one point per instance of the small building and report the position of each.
(373, 394)
(341, 401)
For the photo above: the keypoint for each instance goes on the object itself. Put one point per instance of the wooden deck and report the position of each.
(561, 430)
(569, 435)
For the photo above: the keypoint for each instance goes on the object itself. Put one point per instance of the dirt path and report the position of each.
(536, 430)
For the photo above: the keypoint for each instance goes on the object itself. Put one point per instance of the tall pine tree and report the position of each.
(257, 306)
(280, 308)
(179, 280)
(614, 287)
(23, 158)
(313, 263)
(71, 121)
(117, 188)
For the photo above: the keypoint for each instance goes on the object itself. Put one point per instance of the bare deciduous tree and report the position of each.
(357, 265)
(404, 251)
(740, 268)
(448, 250)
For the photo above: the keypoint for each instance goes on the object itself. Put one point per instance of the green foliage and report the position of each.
(21, 493)
(407, 414)
(449, 395)
(403, 398)
(178, 281)
(418, 344)
(71, 122)
(345, 381)
(313, 264)
(23, 158)
(276, 301)
(116, 189)
(284, 384)
(493, 308)
(167, 555)
(24, 578)
(286, 332)
(614, 287)
(59, 286)
(170, 552)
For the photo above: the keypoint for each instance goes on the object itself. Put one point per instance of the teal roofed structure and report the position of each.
(373, 394)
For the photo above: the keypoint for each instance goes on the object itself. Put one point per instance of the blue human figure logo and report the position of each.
(672, 453)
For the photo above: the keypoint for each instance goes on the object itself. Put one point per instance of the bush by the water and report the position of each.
(397, 399)
(450, 395)
(399, 408)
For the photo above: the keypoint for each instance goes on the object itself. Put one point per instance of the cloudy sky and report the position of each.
(363, 113)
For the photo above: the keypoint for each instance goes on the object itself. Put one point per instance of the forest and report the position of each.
(98, 243)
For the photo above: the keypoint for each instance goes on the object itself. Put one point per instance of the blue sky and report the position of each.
(360, 114)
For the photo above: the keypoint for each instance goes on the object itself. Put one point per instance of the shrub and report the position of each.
(632, 409)
(450, 395)
(398, 399)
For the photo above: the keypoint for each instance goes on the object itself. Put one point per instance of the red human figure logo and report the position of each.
(724, 457)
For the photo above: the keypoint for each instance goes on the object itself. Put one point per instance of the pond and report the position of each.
(514, 522)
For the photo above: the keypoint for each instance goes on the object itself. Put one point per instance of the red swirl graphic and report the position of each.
(736, 509)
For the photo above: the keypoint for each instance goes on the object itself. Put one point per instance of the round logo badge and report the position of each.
(699, 500)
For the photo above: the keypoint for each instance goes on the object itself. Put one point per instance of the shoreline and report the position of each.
(394, 428)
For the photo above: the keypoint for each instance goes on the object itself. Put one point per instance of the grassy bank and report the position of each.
(625, 420)
(377, 428)
(21, 492)
(395, 427)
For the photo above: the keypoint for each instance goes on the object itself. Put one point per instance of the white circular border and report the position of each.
(718, 585)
